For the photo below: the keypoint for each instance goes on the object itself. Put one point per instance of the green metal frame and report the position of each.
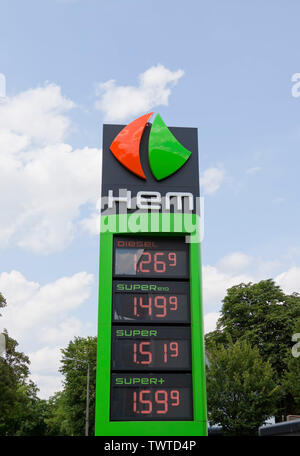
(105, 427)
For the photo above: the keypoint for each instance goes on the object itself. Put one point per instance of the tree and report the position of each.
(262, 314)
(266, 317)
(32, 411)
(241, 391)
(291, 378)
(21, 412)
(75, 372)
(13, 372)
(57, 421)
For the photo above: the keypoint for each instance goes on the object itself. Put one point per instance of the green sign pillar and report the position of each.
(150, 361)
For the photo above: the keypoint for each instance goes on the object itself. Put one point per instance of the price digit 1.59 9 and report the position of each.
(145, 403)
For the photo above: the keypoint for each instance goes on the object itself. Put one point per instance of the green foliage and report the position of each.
(266, 317)
(75, 383)
(291, 384)
(251, 375)
(21, 412)
(241, 389)
(262, 314)
(32, 411)
(57, 421)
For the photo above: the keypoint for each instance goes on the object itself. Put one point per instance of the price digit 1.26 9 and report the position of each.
(158, 261)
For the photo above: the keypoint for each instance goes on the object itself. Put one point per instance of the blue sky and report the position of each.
(223, 67)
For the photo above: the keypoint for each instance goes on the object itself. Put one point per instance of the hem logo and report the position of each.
(165, 153)
(152, 200)
(142, 213)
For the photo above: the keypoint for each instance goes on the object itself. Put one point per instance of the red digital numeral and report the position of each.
(173, 302)
(135, 311)
(163, 400)
(172, 258)
(147, 305)
(173, 349)
(157, 262)
(144, 262)
(175, 397)
(138, 349)
(134, 402)
(139, 302)
(160, 302)
(159, 265)
(144, 404)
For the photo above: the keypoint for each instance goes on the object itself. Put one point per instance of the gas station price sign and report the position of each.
(151, 302)
(151, 348)
(153, 257)
(151, 397)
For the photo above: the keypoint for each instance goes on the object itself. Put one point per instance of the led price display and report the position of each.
(150, 333)
(151, 257)
(145, 302)
(151, 397)
(146, 348)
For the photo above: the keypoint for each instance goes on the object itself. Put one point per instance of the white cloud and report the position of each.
(63, 332)
(233, 269)
(265, 269)
(45, 360)
(211, 180)
(236, 268)
(37, 114)
(289, 280)
(235, 261)
(48, 384)
(32, 306)
(40, 318)
(92, 223)
(44, 183)
(216, 282)
(154, 88)
(210, 321)
(292, 253)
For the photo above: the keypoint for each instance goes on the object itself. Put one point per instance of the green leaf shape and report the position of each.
(166, 154)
